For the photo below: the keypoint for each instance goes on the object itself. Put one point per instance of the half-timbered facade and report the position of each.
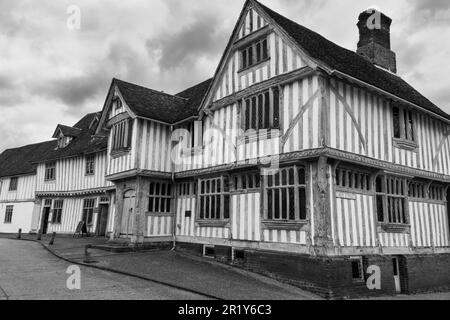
(299, 158)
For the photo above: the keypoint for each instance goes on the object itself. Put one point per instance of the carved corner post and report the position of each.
(322, 227)
(119, 212)
(139, 213)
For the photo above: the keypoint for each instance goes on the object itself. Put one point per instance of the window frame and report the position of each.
(88, 212)
(261, 111)
(353, 180)
(50, 171)
(168, 197)
(223, 194)
(301, 209)
(389, 200)
(90, 165)
(404, 128)
(57, 211)
(13, 187)
(122, 136)
(9, 211)
(250, 55)
(243, 182)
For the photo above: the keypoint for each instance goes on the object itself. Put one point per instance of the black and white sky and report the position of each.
(50, 74)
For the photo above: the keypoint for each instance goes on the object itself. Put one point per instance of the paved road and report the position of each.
(27, 271)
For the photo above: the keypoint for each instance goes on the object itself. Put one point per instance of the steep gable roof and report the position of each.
(66, 131)
(160, 106)
(350, 63)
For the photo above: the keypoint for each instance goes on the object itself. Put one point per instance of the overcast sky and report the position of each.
(50, 74)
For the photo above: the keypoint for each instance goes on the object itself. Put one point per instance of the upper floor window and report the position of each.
(121, 135)
(262, 111)
(50, 171)
(436, 192)
(160, 197)
(254, 53)
(186, 189)
(57, 211)
(214, 199)
(417, 190)
(285, 195)
(13, 184)
(403, 124)
(351, 179)
(90, 165)
(391, 201)
(8, 214)
(117, 103)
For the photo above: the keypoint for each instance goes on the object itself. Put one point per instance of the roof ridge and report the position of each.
(150, 89)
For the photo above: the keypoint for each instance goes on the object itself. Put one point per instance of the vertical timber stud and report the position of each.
(323, 242)
(324, 111)
(119, 212)
(138, 227)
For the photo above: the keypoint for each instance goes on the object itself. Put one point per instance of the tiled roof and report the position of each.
(351, 63)
(20, 161)
(161, 106)
(67, 131)
(24, 160)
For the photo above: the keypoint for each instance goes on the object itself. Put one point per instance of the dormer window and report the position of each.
(65, 135)
(63, 141)
(254, 53)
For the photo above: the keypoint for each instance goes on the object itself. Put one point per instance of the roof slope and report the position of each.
(20, 161)
(24, 160)
(350, 62)
(84, 143)
(160, 106)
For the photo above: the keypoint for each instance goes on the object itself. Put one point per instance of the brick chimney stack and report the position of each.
(375, 39)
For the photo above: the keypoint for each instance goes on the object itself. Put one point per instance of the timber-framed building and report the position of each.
(298, 158)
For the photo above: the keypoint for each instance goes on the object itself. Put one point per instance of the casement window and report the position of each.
(391, 202)
(214, 199)
(436, 193)
(417, 190)
(57, 211)
(261, 111)
(246, 181)
(403, 124)
(50, 171)
(117, 104)
(121, 135)
(8, 214)
(88, 211)
(160, 197)
(186, 189)
(13, 183)
(350, 179)
(285, 195)
(254, 53)
(90, 165)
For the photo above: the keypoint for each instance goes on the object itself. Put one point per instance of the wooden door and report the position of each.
(398, 288)
(46, 216)
(128, 213)
(102, 220)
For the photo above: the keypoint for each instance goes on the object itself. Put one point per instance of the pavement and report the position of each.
(29, 272)
(181, 275)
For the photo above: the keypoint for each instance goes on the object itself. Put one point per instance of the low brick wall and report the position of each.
(332, 277)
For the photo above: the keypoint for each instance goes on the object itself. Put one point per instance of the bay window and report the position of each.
(391, 200)
(261, 111)
(121, 135)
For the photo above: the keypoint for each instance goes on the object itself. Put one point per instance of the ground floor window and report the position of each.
(214, 199)
(57, 211)
(285, 195)
(246, 181)
(391, 199)
(88, 211)
(160, 197)
(9, 214)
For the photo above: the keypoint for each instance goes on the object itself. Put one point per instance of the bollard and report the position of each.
(52, 240)
(39, 235)
(19, 236)
(87, 256)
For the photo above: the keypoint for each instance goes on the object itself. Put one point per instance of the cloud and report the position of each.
(201, 38)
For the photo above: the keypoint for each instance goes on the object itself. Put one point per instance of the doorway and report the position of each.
(128, 213)
(397, 283)
(45, 218)
(102, 220)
